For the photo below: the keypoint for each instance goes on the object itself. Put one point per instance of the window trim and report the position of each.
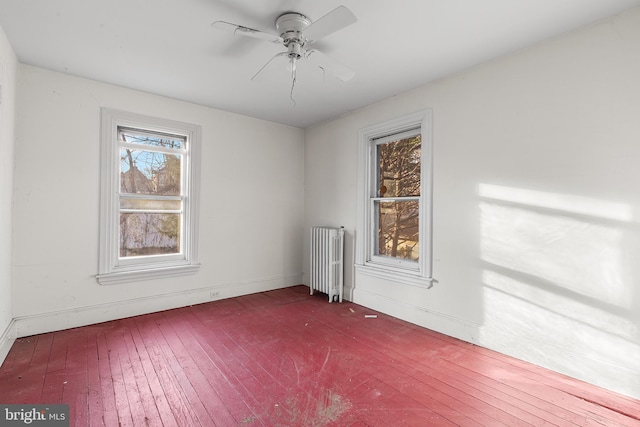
(111, 271)
(419, 273)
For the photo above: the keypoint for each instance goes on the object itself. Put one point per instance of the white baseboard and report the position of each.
(348, 293)
(415, 314)
(82, 316)
(7, 337)
(565, 360)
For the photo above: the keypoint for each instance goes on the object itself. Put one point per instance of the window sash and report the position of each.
(139, 131)
(375, 255)
(151, 148)
(394, 136)
(154, 211)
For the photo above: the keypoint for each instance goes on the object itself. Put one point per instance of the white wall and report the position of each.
(536, 203)
(8, 71)
(251, 205)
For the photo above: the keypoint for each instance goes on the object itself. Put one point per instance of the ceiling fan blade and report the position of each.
(330, 65)
(246, 31)
(333, 21)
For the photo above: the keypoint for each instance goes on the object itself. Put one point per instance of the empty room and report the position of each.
(298, 213)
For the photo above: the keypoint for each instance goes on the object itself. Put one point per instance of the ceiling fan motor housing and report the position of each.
(290, 26)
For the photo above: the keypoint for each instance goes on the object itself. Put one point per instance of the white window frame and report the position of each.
(112, 268)
(419, 273)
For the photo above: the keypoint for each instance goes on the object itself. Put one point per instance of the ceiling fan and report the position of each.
(296, 33)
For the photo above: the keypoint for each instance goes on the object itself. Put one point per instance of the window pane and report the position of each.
(399, 167)
(398, 229)
(151, 139)
(148, 172)
(149, 234)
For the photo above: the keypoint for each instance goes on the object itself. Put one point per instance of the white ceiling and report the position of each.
(168, 47)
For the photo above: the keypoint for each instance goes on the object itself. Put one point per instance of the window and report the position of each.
(394, 209)
(149, 182)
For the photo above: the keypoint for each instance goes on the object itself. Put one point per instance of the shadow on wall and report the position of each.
(559, 273)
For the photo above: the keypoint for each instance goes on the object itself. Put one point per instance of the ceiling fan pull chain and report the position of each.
(293, 85)
(268, 62)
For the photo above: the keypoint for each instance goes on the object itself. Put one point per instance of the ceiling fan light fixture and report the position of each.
(291, 67)
(294, 50)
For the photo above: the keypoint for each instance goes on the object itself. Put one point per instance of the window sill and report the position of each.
(396, 275)
(117, 277)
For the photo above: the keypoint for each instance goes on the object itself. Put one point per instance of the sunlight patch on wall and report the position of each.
(558, 274)
(601, 319)
(562, 202)
(520, 312)
(563, 249)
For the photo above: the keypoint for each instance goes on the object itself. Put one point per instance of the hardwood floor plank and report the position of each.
(186, 373)
(542, 388)
(316, 340)
(466, 381)
(194, 338)
(238, 378)
(137, 407)
(109, 415)
(580, 391)
(119, 381)
(20, 355)
(53, 386)
(74, 389)
(371, 352)
(26, 381)
(156, 347)
(287, 358)
(464, 346)
(517, 394)
(137, 371)
(148, 369)
(250, 336)
(198, 368)
(94, 389)
(265, 368)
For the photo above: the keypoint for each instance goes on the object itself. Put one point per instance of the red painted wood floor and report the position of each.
(284, 358)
